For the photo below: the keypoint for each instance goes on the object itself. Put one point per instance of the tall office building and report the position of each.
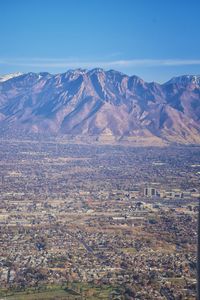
(150, 192)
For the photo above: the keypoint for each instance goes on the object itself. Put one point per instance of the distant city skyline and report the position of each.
(155, 40)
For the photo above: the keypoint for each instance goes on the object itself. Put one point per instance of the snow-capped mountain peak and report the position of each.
(9, 76)
(185, 79)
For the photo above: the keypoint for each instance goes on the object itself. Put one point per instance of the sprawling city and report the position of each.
(97, 221)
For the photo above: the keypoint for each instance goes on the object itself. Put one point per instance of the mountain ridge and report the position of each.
(106, 104)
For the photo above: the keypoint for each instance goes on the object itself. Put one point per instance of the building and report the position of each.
(150, 192)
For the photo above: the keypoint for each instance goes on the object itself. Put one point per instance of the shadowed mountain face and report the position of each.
(104, 104)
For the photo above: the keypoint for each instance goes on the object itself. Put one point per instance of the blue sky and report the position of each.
(154, 39)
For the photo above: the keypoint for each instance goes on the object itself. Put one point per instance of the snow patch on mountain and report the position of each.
(9, 76)
(185, 79)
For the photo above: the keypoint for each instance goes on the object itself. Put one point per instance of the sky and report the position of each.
(154, 39)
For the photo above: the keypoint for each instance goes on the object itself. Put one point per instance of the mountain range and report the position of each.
(107, 105)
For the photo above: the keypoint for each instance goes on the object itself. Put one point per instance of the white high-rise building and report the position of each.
(150, 192)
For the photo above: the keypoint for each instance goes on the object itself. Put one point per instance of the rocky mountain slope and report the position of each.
(106, 104)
